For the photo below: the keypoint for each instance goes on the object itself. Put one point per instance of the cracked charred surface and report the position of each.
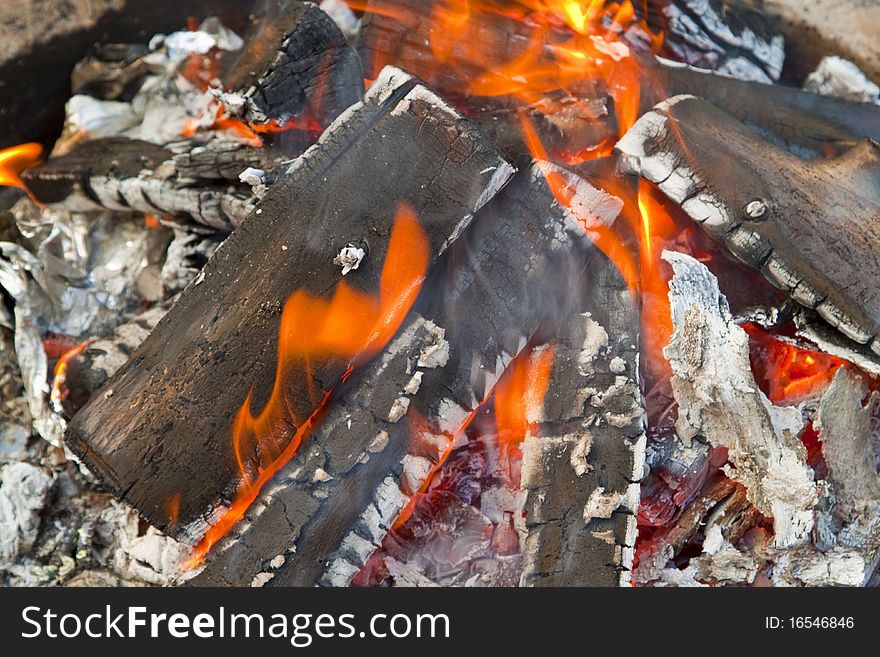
(161, 427)
(296, 65)
(335, 501)
(811, 227)
(128, 175)
(584, 459)
(719, 400)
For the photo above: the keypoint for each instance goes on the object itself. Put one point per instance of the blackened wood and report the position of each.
(224, 160)
(297, 64)
(805, 123)
(583, 460)
(718, 35)
(43, 43)
(329, 509)
(129, 175)
(812, 227)
(162, 426)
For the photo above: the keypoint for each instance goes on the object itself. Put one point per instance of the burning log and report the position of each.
(809, 226)
(225, 160)
(583, 461)
(328, 510)
(297, 66)
(719, 399)
(128, 175)
(160, 429)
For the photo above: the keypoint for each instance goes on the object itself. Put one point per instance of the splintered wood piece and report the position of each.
(296, 65)
(812, 227)
(322, 517)
(161, 428)
(805, 123)
(719, 399)
(583, 461)
(129, 175)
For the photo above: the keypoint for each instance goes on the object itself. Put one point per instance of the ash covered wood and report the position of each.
(128, 175)
(329, 509)
(162, 426)
(583, 461)
(719, 400)
(297, 65)
(811, 227)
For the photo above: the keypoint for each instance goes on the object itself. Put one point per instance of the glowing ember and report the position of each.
(786, 373)
(15, 160)
(351, 325)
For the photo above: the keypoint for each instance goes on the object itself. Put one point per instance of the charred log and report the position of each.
(582, 463)
(128, 175)
(297, 66)
(162, 426)
(330, 508)
(805, 123)
(811, 227)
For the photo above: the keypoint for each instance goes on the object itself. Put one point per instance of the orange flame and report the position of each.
(58, 394)
(351, 325)
(519, 395)
(17, 159)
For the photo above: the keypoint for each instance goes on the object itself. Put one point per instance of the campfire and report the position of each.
(446, 293)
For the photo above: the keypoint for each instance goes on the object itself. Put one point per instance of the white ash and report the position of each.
(24, 490)
(209, 35)
(719, 398)
(343, 16)
(841, 78)
(253, 177)
(601, 504)
(349, 258)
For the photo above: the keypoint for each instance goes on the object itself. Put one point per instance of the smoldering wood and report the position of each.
(297, 64)
(719, 399)
(128, 175)
(805, 123)
(846, 550)
(329, 509)
(162, 425)
(820, 335)
(811, 227)
(42, 46)
(582, 464)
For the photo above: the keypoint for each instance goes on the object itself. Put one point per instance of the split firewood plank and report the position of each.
(128, 175)
(719, 399)
(161, 427)
(297, 65)
(324, 515)
(805, 123)
(584, 459)
(811, 227)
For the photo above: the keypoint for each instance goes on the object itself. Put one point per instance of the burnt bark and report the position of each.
(297, 65)
(329, 509)
(583, 461)
(162, 426)
(129, 175)
(810, 226)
